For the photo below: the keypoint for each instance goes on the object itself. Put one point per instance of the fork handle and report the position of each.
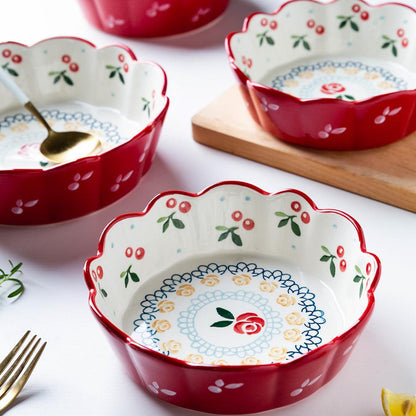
(7, 80)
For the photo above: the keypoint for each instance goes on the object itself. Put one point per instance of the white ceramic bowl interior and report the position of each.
(76, 86)
(233, 276)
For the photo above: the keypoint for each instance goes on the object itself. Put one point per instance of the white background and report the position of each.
(78, 374)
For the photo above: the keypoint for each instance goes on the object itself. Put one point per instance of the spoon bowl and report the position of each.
(57, 147)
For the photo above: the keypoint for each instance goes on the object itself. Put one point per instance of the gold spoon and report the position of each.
(58, 147)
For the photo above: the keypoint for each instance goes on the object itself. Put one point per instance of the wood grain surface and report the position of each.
(386, 174)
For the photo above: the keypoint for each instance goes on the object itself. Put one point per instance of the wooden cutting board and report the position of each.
(386, 174)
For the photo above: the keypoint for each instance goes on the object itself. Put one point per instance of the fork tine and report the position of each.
(14, 389)
(13, 352)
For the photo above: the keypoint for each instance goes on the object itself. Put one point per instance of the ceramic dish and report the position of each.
(233, 300)
(332, 76)
(150, 18)
(77, 87)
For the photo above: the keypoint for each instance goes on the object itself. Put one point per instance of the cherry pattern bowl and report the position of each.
(77, 87)
(151, 18)
(216, 298)
(338, 75)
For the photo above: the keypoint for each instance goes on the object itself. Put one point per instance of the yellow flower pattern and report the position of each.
(166, 306)
(210, 280)
(286, 300)
(250, 361)
(161, 325)
(171, 346)
(185, 290)
(268, 287)
(20, 127)
(293, 335)
(295, 318)
(278, 353)
(195, 358)
(242, 279)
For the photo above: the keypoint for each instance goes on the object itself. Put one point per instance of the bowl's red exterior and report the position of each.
(149, 18)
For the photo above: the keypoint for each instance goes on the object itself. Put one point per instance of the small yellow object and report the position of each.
(398, 404)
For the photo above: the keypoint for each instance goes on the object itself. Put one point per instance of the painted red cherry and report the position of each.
(17, 59)
(126, 67)
(7, 53)
(400, 32)
(73, 67)
(66, 59)
(405, 42)
(356, 8)
(305, 217)
(128, 252)
(320, 29)
(248, 224)
(368, 268)
(139, 253)
(340, 251)
(100, 272)
(364, 15)
(237, 215)
(343, 265)
(296, 206)
(121, 58)
(264, 21)
(310, 23)
(184, 206)
(273, 25)
(171, 203)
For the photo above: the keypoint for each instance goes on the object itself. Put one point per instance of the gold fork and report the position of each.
(10, 382)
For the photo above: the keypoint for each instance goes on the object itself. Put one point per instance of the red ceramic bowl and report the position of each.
(339, 75)
(232, 300)
(150, 18)
(76, 86)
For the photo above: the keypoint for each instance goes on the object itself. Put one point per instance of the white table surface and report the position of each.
(78, 373)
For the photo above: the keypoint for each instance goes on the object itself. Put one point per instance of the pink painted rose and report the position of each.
(249, 323)
(332, 88)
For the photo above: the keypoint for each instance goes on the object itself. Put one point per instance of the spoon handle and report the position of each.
(7, 80)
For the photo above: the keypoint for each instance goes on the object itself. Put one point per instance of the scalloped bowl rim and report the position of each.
(149, 126)
(261, 86)
(126, 339)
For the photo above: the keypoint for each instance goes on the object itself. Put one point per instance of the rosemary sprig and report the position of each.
(7, 277)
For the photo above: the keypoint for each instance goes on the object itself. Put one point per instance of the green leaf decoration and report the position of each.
(120, 75)
(357, 279)
(342, 24)
(332, 268)
(161, 219)
(306, 45)
(225, 313)
(104, 293)
(57, 78)
(110, 67)
(325, 258)
(112, 74)
(280, 214)
(385, 45)
(221, 228)
(134, 277)
(354, 26)
(122, 274)
(68, 80)
(394, 50)
(223, 236)
(295, 228)
(349, 97)
(126, 281)
(261, 41)
(386, 37)
(165, 226)
(326, 250)
(296, 44)
(11, 71)
(283, 222)
(236, 239)
(221, 324)
(178, 223)
(270, 40)
(361, 287)
(358, 270)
